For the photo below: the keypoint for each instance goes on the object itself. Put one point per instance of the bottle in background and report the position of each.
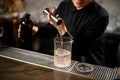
(26, 32)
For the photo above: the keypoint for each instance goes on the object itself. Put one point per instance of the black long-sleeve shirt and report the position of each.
(86, 26)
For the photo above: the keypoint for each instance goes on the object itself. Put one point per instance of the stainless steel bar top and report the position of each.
(43, 60)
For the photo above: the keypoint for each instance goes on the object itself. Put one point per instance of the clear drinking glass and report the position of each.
(62, 51)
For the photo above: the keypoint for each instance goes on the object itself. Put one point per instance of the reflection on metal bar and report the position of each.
(43, 60)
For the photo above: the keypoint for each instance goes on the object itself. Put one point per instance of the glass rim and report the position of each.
(57, 39)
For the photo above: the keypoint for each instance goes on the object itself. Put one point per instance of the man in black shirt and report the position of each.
(86, 21)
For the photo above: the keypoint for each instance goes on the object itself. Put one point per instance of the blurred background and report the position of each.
(36, 7)
(13, 10)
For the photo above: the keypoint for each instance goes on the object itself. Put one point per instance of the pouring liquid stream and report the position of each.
(60, 38)
(61, 43)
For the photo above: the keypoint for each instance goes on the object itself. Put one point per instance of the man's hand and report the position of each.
(61, 28)
(34, 30)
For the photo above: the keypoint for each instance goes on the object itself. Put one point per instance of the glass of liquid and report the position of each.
(62, 51)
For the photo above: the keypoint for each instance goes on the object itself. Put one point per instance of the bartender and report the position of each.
(85, 21)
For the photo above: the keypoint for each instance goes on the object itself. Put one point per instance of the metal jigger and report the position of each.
(57, 20)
